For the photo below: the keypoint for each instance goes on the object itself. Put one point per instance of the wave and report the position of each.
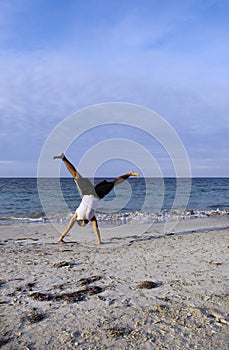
(156, 217)
(11, 219)
(119, 218)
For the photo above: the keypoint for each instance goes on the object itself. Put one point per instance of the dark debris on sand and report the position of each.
(71, 297)
(119, 332)
(63, 264)
(34, 316)
(89, 280)
(148, 285)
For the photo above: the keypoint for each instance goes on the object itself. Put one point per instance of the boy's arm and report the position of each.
(96, 228)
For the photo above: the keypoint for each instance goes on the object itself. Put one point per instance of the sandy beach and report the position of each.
(144, 288)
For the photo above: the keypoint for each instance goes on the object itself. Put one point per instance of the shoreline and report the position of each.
(146, 287)
(119, 218)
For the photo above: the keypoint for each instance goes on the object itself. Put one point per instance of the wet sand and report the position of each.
(145, 287)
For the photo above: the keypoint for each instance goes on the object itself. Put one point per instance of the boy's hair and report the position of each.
(82, 222)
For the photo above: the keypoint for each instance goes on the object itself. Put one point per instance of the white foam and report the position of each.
(123, 218)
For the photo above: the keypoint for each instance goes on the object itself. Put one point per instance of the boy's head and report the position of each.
(82, 223)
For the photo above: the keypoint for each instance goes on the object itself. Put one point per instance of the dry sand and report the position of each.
(144, 288)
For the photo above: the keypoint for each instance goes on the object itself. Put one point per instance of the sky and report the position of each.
(60, 56)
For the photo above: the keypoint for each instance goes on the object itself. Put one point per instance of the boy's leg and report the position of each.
(124, 177)
(105, 187)
(68, 228)
(84, 185)
(68, 165)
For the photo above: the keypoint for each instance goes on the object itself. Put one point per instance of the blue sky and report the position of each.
(59, 56)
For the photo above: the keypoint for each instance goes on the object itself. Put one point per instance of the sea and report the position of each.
(142, 200)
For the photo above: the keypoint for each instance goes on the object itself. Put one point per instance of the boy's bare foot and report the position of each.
(60, 156)
(132, 173)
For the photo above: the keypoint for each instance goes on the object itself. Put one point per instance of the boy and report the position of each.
(90, 197)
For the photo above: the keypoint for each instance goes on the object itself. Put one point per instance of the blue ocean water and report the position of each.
(143, 199)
